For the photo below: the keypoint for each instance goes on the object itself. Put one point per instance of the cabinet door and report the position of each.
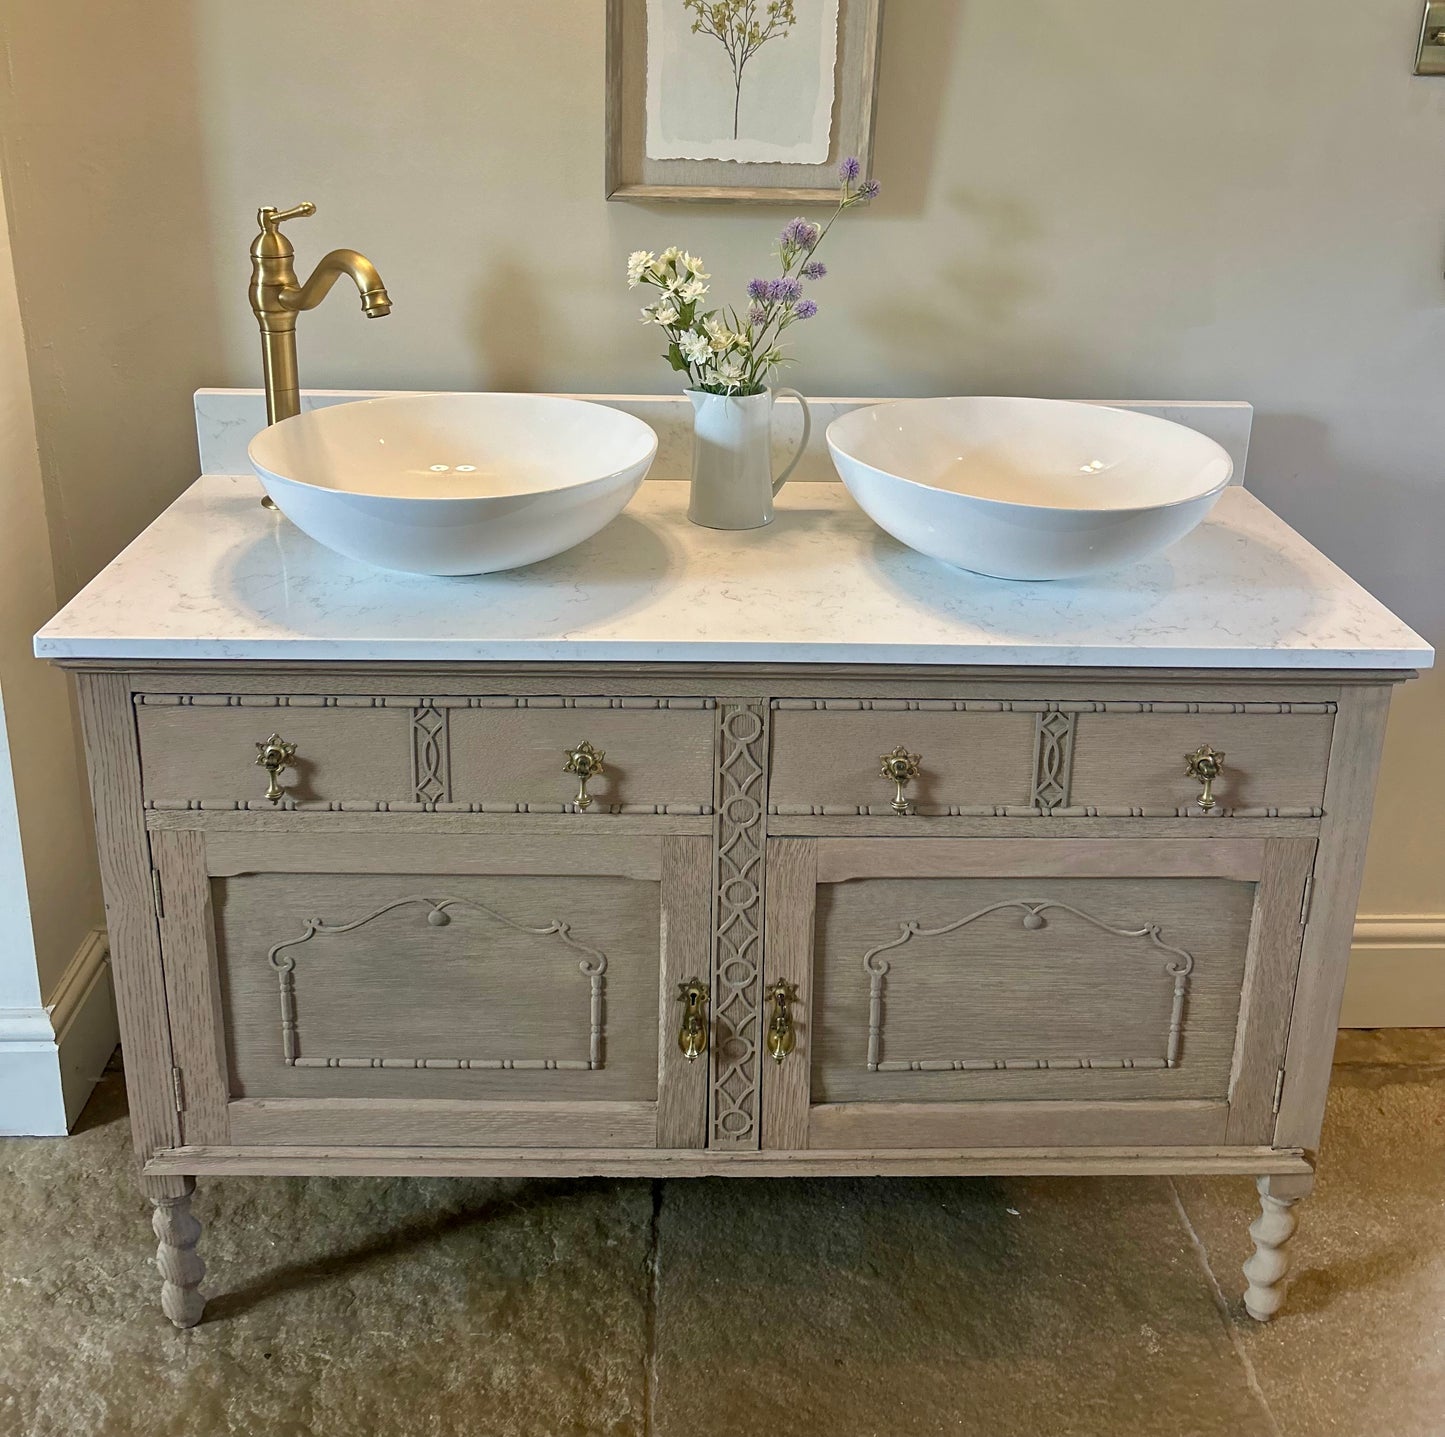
(418, 991)
(1031, 992)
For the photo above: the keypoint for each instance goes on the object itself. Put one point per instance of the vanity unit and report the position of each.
(777, 852)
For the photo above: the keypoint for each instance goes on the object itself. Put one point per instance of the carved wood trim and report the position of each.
(593, 966)
(1053, 760)
(1039, 706)
(431, 760)
(407, 701)
(1006, 810)
(742, 738)
(1179, 967)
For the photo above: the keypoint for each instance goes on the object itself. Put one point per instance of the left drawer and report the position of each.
(407, 753)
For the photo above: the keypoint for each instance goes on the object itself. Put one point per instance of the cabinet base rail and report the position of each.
(297, 1161)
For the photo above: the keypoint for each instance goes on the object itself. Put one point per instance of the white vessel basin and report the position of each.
(1027, 488)
(454, 483)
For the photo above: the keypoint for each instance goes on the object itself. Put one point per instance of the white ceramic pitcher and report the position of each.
(732, 458)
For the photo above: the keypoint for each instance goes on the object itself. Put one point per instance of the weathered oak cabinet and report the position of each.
(426, 957)
(537, 898)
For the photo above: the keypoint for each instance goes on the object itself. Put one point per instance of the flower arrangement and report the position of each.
(721, 351)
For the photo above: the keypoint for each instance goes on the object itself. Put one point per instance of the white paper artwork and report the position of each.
(753, 82)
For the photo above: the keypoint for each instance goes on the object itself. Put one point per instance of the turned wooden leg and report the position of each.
(1271, 1230)
(177, 1232)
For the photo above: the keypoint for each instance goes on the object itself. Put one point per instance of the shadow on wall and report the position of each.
(101, 136)
(916, 63)
(512, 331)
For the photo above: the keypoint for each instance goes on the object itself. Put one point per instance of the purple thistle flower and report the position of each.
(759, 290)
(757, 316)
(805, 309)
(870, 189)
(849, 170)
(785, 291)
(800, 233)
(814, 269)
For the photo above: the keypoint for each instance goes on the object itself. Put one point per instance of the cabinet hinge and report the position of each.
(1278, 1092)
(156, 894)
(177, 1090)
(1309, 894)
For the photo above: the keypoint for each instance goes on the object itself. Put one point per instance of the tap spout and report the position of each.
(375, 301)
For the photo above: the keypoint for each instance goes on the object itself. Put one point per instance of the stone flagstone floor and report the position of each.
(839, 1308)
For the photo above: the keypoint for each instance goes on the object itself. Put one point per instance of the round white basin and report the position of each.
(1027, 488)
(454, 483)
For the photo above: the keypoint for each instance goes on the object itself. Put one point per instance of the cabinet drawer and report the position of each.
(457, 990)
(986, 758)
(477, 754)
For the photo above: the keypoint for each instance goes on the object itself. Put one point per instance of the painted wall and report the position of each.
(50, 971)
(1081, 200)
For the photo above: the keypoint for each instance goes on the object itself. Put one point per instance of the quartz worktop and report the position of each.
(217, 577)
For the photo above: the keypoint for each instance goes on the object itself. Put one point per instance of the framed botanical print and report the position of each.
(738, 99)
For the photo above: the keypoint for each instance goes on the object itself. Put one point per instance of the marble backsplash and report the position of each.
(227, 419)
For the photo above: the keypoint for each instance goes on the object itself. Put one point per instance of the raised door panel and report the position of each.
(1032, 992)
(465, 991)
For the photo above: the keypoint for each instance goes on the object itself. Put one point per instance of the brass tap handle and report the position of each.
(1204, 765)
(274, 755)
(782, 1037)
(900, 768)
(268, 216)
(692, 1036)
(586, 763)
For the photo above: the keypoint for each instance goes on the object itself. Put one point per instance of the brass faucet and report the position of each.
(277, 297)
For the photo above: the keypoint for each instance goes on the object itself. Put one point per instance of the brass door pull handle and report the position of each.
(585, 762)
(782, 1036)
(900, 768)
(692, 1035)
(275, 755)
(1204, 765)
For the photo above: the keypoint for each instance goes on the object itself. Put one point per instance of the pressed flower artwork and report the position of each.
(744, 80)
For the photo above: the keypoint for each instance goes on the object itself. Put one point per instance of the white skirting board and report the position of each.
(51, 1057)
(1397, 972)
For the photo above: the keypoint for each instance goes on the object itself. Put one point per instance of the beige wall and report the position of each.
(1123, 198)
(49, 895)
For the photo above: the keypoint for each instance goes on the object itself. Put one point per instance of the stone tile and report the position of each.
(340, 1306)
(938, 1306)
(1360, 1345)
(1391, 1047)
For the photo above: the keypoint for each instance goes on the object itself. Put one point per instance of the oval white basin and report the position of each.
(454, 483)
(1027, 488)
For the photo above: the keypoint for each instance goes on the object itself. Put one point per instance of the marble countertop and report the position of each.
(217, 577)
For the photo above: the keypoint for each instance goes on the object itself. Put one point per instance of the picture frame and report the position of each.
(631, 174)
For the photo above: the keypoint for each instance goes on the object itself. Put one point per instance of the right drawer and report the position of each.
(1107, 758)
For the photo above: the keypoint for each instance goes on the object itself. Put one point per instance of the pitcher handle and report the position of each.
(802, 443)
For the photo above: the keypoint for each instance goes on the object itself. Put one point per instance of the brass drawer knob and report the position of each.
(1204, 765)
(275, 755)
(692, 1036)
(585, 762)
(900, 768)
(782, 1037)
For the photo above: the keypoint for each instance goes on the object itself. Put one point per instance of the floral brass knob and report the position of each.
(586, 763)
(274, 755)
(900, 768)
(1204, 765)
(782, 1036)
(692, 1036)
